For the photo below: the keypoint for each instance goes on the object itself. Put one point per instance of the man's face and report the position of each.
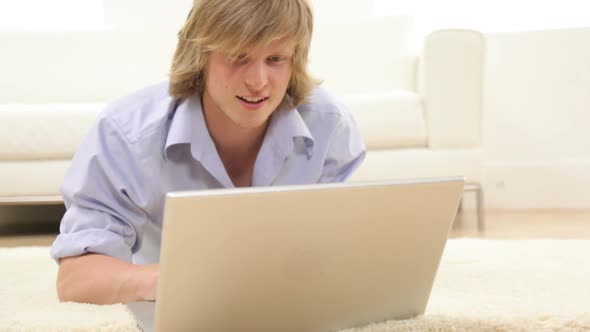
(246, 91)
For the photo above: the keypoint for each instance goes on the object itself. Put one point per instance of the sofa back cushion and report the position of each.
(389, 120)
(81, 66)
(364, 54)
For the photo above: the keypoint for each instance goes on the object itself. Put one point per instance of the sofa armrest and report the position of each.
(451, 82)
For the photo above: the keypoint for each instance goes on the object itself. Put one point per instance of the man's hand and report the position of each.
(148, 283)
(101, 279)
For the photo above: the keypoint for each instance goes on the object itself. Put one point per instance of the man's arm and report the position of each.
(346, 151)
(104, 221)
(101, 279)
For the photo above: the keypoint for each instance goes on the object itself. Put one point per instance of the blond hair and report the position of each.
(236, 26)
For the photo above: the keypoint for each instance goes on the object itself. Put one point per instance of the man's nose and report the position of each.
(256, 76)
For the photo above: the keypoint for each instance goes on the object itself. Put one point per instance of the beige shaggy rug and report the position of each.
(482, 285)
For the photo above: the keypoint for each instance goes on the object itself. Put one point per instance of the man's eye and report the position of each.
(275, 58)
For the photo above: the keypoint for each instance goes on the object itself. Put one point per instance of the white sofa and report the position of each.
(420, 114)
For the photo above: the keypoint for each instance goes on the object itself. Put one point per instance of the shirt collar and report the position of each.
(184, 122)
(188, 126)
(287, 126)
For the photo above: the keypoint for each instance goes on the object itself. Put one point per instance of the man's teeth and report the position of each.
(252, 100)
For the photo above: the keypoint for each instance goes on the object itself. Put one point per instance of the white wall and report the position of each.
(489, 16)
(54, 15)
(157, 13)
(146, 14)
(537, 119)
(326, 9)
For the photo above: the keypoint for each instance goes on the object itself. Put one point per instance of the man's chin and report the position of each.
(251, 125)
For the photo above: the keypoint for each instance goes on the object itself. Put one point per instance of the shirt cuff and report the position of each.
(95, 241)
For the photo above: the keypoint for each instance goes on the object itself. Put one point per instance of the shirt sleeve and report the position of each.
(101, 190)
(346, 151)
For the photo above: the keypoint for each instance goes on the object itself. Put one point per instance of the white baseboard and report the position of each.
(537, 184)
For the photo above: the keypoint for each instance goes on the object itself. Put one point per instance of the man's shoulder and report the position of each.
(320, 100)
(140, 113)
(321, 105)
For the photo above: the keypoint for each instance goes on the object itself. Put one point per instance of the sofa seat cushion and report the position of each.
(44, 131)
(389, 120)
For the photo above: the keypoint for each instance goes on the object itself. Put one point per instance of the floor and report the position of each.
(563, 224)
(526, 224)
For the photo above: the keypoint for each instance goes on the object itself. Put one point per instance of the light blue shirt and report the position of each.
(147, 144)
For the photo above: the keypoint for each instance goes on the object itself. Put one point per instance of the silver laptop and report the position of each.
(300, 258)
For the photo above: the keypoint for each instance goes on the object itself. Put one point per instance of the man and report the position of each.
(240, 110)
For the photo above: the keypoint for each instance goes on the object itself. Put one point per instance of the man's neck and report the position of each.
(238, 152)
(236, 141)
(237, 147)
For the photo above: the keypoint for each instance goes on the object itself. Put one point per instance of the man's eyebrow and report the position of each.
(284, 51)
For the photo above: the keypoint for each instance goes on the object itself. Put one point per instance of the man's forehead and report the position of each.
(281, 45)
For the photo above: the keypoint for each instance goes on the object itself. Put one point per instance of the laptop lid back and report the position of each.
(302, 258)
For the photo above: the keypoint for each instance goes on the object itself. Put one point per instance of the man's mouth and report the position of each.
(252, 100)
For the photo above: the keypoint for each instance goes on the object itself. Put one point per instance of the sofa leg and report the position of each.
(458, 223)
(480, 210)
(476, 188)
